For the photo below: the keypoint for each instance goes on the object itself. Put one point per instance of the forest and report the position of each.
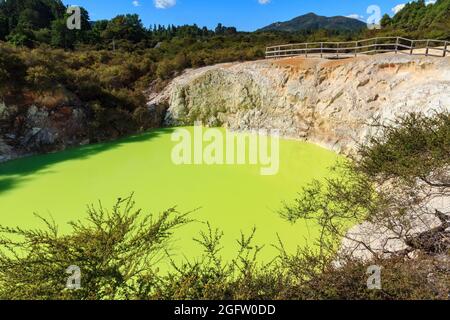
(107, 66)
(35, 22)
(419, 19)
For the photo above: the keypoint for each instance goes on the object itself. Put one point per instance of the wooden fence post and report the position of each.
(412, 48)
(396, 45)
(356, 48)
(427, 50)
(321, 50)
(445, 49)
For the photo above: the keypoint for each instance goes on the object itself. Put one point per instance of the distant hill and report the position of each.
(312, 21)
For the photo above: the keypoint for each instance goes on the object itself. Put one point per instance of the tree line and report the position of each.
(421, 19)
(33, 22)
(107, 66)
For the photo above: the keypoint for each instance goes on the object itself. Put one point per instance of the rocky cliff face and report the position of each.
(331, 103)
(37, 130)
(336, 104)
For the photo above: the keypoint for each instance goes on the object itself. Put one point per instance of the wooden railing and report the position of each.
(339, 50)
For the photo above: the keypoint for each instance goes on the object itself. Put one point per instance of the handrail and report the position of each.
(310, 48)
(303, 43)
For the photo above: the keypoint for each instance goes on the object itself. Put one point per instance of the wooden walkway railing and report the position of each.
(339, 50)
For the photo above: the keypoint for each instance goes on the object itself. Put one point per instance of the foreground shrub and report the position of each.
(114, 249)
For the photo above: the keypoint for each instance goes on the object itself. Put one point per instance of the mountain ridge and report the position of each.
(312, 21)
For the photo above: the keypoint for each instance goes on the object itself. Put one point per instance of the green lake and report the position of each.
(233, 198)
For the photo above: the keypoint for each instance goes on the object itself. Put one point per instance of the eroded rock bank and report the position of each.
(37, 129)
(336, 104)
(331, 103)
(32, 129)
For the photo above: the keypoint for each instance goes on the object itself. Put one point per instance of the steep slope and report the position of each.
(331, 103)
(312, 21)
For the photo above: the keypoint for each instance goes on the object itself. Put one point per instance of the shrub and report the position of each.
(40, 77)
(114, 249)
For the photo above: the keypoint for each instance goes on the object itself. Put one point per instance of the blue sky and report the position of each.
(246, 15)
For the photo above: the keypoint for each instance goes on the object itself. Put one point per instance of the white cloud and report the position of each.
(355, 16)
(430, 2)
(398, 8)
(136, 3)
(264, 1)
(164, 4)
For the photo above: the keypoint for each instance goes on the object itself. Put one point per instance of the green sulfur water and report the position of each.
(233, 198)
